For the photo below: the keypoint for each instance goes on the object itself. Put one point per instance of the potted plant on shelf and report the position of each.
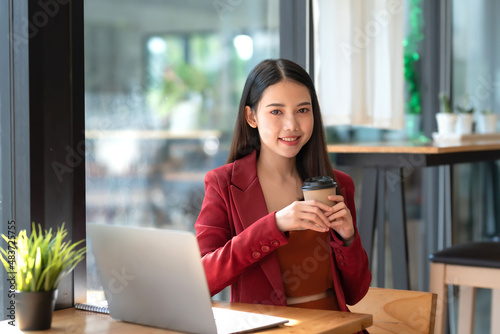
(35, 266)
(446, 119)
(465, 117)
(487, 121)
(178, 100)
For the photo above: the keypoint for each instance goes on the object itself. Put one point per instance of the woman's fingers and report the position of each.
(314, 203)
(341, 212)
(308, 225)
(341, 221)
(336, 198)
(316, 214)
(303, 215)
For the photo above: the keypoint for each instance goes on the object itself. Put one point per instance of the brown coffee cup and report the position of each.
(319, 188)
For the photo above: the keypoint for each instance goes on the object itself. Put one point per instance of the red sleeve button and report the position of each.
(256, 255)
(275, 243)
(265, 248)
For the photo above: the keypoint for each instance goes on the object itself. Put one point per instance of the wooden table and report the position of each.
(385, 166)
(300, 321)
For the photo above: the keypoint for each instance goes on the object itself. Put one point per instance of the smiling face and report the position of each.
(284, 119)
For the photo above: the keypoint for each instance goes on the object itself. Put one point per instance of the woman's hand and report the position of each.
(302, 215)
(340, 219)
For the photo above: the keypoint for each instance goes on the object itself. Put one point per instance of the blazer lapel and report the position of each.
(246, 191)
(251, 206)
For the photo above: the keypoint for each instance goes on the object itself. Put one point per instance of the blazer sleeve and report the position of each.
(352, 261)
(228, 251)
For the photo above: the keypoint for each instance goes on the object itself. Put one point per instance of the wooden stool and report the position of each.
(473, 265)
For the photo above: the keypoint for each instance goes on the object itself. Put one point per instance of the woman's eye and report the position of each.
(275, 112)
(303, 110)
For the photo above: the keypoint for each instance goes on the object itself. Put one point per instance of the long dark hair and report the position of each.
(312, 160)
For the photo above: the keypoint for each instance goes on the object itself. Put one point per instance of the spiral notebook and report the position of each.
(155, 277)
(100, 307)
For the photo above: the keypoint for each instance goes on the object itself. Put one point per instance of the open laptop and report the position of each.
(155, 277)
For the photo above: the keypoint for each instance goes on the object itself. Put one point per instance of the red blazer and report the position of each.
(237, 238)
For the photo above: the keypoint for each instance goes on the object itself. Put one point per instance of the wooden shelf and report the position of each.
(151, 134)
(416, 148)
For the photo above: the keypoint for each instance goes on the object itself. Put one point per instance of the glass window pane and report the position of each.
(475, 84)
(413, 36)
(476, 65)
(162, 86)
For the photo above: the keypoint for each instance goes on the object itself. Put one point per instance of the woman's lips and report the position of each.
(291, 141)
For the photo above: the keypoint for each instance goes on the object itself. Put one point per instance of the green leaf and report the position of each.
(43, 259)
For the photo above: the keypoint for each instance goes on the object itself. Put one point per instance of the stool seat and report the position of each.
(469, 266)
(476, 254)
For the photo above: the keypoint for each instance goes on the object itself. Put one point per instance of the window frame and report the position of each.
(436, 70)
(14, 122)
(56, 128)
(295, 31)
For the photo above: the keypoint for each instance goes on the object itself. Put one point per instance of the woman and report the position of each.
(255, 232)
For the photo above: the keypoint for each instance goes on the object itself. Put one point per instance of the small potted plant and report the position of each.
(487, 121)
(465, 117)
(446, 119)
(36, 265)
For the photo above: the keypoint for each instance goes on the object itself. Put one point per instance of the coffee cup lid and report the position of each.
(319, 182)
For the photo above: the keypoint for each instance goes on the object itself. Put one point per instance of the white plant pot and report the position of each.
(185, 115)
(487, 123)
(464, 124)
(446, 123)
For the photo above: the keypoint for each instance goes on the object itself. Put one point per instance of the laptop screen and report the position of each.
(155, 277)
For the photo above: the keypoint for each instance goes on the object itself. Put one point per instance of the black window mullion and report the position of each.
(293, 32)
(57, 151)
(436, 77)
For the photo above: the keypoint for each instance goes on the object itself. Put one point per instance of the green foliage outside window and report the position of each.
(411, 57)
